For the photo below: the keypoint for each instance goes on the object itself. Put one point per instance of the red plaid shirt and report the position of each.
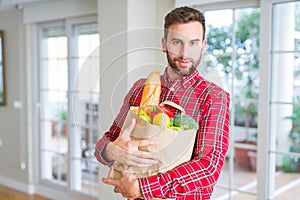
(206, 103)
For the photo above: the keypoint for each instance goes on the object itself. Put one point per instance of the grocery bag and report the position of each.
(173, 148)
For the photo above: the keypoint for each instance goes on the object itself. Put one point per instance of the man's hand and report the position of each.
(128, 185)
(125, 151)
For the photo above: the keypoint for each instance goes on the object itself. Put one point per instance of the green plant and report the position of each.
(294, 133)
(63, 115)
(290, 164)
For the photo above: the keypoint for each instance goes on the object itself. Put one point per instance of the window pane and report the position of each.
(53, 98)
(232, 47)
(85, 97)
(285, 100)
(287, 177)
(219, 32)
(286, 26)
(247, 30)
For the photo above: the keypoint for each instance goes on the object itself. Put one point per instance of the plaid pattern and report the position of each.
(206, 103)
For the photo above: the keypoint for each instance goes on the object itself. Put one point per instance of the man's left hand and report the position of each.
(128, 185)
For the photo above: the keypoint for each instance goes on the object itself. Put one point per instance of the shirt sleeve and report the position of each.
(200, 174)
(131, 99)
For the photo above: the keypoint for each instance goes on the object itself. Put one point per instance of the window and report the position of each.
(68, 95)
(54, 103)
(84, 106)
(238, 47)
(232, 48)
(285, 98)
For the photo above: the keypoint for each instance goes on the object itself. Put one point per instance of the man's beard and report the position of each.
(176, 68)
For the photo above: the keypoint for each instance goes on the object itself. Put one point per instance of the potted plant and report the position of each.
(63, 117)
(246, 158)
(59, 125)
(252, 155)
(292, 164)
(294, 133)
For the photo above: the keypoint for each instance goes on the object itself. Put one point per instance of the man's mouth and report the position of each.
(183, 62)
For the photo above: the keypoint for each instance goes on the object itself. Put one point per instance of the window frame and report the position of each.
(58, 190)
(231, 164)
(266, 159)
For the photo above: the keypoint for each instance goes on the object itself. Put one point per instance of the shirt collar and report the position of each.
(184, 81)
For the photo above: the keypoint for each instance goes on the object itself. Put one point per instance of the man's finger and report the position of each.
(118, 166)
(141, 143)
(116, 190)
(109, 181)
(124, 173)
(142, 155)
(140, 161)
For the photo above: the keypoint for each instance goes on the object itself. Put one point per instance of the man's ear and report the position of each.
(164, 44)
(204, 44)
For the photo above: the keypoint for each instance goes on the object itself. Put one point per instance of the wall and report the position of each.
(12, 123)
(130, 32)
(130, 48)
(115, 17)
(17, 159)
(49, 10)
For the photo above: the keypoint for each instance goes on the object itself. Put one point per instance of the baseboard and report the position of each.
(31, 189)
(41, 190)
(51, 193)
(17, 185)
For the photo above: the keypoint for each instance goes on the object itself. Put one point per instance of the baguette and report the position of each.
(151, 92)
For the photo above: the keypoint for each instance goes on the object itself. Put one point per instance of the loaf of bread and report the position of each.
(151, 92)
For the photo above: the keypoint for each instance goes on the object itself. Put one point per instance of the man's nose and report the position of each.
(184, 51)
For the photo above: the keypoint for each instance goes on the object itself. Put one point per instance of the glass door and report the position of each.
(68, 97)
(285, 101)
(232, 50)
(53, 94)
(84, 96)
(257, 53)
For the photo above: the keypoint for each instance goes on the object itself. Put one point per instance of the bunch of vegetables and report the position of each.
(175, 122)
(156, 115)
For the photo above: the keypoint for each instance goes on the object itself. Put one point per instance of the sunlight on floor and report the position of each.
(287, 185)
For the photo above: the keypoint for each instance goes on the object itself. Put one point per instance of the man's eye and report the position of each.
(194, 43)
(176, 42)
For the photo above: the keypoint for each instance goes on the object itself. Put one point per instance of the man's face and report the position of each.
(184, 46)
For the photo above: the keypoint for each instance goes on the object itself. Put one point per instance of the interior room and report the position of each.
(66, 65)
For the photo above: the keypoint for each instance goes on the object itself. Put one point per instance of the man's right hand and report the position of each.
(125, 151)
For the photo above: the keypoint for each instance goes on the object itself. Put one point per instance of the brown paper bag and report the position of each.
(173, 148)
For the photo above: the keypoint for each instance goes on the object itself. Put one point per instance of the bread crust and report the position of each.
(151, 91)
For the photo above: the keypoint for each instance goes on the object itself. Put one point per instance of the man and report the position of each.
(183, 42)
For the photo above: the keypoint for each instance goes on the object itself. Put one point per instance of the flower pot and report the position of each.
(53, 128)
(241, 155)
(241, 158)
(252, 155)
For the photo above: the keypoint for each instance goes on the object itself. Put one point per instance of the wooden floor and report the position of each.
(11, 194)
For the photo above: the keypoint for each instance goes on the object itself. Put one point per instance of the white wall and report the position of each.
(131, 33)
(130, 48)
(51, 10)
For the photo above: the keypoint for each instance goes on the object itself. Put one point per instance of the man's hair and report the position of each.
(183, 15)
